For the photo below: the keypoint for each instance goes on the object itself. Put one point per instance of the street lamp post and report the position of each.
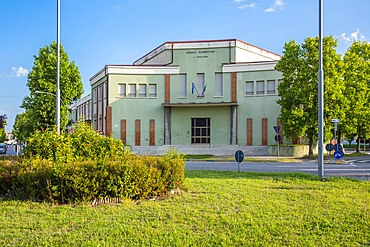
(42, 92)
(55, 95)
(320, 157)
(58, 70)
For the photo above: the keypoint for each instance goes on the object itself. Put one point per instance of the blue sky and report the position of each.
(99, 32)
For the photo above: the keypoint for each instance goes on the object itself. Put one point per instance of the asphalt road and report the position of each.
(357, 168)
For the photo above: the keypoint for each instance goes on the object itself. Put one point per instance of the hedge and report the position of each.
(86, 166)
(136, 177)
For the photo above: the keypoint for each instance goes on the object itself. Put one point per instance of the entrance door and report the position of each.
(200, 130)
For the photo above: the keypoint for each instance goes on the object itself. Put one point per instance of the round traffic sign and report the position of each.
(329, 147)
(239, 156)
(338, 147)
(338, 154)
(277, 138)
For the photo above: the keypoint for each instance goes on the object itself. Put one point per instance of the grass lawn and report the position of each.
(213, 209)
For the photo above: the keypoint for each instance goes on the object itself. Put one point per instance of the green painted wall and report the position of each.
(181, 124)
(256, 107)
(207, 61)
(193, 61)
(137, 108)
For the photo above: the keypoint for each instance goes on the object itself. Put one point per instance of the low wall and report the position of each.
(218, 150)
(290, 150)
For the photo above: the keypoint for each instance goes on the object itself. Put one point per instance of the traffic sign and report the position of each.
(239, 156)
(329, 147)
(277, 129)
(338, 147)
(338, 154)
(277, 138)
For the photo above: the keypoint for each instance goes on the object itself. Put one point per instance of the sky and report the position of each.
(95, 33)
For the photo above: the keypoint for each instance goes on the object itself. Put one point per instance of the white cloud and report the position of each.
(354, 36)
(277, 6)
(19, 72)
(240, 4)
(251, 5)
(16, 72)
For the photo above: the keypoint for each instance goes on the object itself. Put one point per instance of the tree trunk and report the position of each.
(310, 146)
(339, 137)
(358, 144)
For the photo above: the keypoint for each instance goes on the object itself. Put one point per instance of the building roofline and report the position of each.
(162, 47)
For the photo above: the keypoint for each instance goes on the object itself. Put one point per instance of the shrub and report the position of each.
(83, 144)
(134, 177)
(84, 166)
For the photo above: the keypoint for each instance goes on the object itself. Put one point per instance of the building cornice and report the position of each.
(134, 70)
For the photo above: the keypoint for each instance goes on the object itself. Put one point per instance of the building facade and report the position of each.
(215, 92)
(81, 110)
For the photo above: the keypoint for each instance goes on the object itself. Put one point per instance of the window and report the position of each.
(260, 87)
(200, 130)
(219, 85)
(100, 93)
(152, 90)
(250, 88)
(122, 90)
(142, 90)
(271, 87)
(200, 84)
(182, 86)
(132, 90)
(105, 90)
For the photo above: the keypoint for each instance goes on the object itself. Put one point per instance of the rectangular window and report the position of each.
(122, 90)
(142, 90)
(250, 88)
(132, 90)
(271, 87)
(219, 85)
(200, 130)
(100, 93)
(152, 90)
(200, 84)
(182, 86)
(105, 90)
(260, 87)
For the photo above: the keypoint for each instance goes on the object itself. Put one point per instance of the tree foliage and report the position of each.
(357, 81)
(298, 90)
(3, 119)
(40, 105)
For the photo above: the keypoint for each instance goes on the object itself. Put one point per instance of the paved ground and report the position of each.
(353, 167)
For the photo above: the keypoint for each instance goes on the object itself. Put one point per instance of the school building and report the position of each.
(190, 94)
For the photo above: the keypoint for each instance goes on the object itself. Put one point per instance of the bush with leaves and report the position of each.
(83, 144)
(84, 166)
(135, 177)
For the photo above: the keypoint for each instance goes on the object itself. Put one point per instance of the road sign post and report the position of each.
(239, 157)
(277, 138)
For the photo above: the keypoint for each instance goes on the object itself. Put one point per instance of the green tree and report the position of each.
(298, 90)
(23, 126)
(3, 119)
(357, 81)
(41, 104)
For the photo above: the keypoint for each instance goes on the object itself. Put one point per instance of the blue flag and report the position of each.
(192, 88)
